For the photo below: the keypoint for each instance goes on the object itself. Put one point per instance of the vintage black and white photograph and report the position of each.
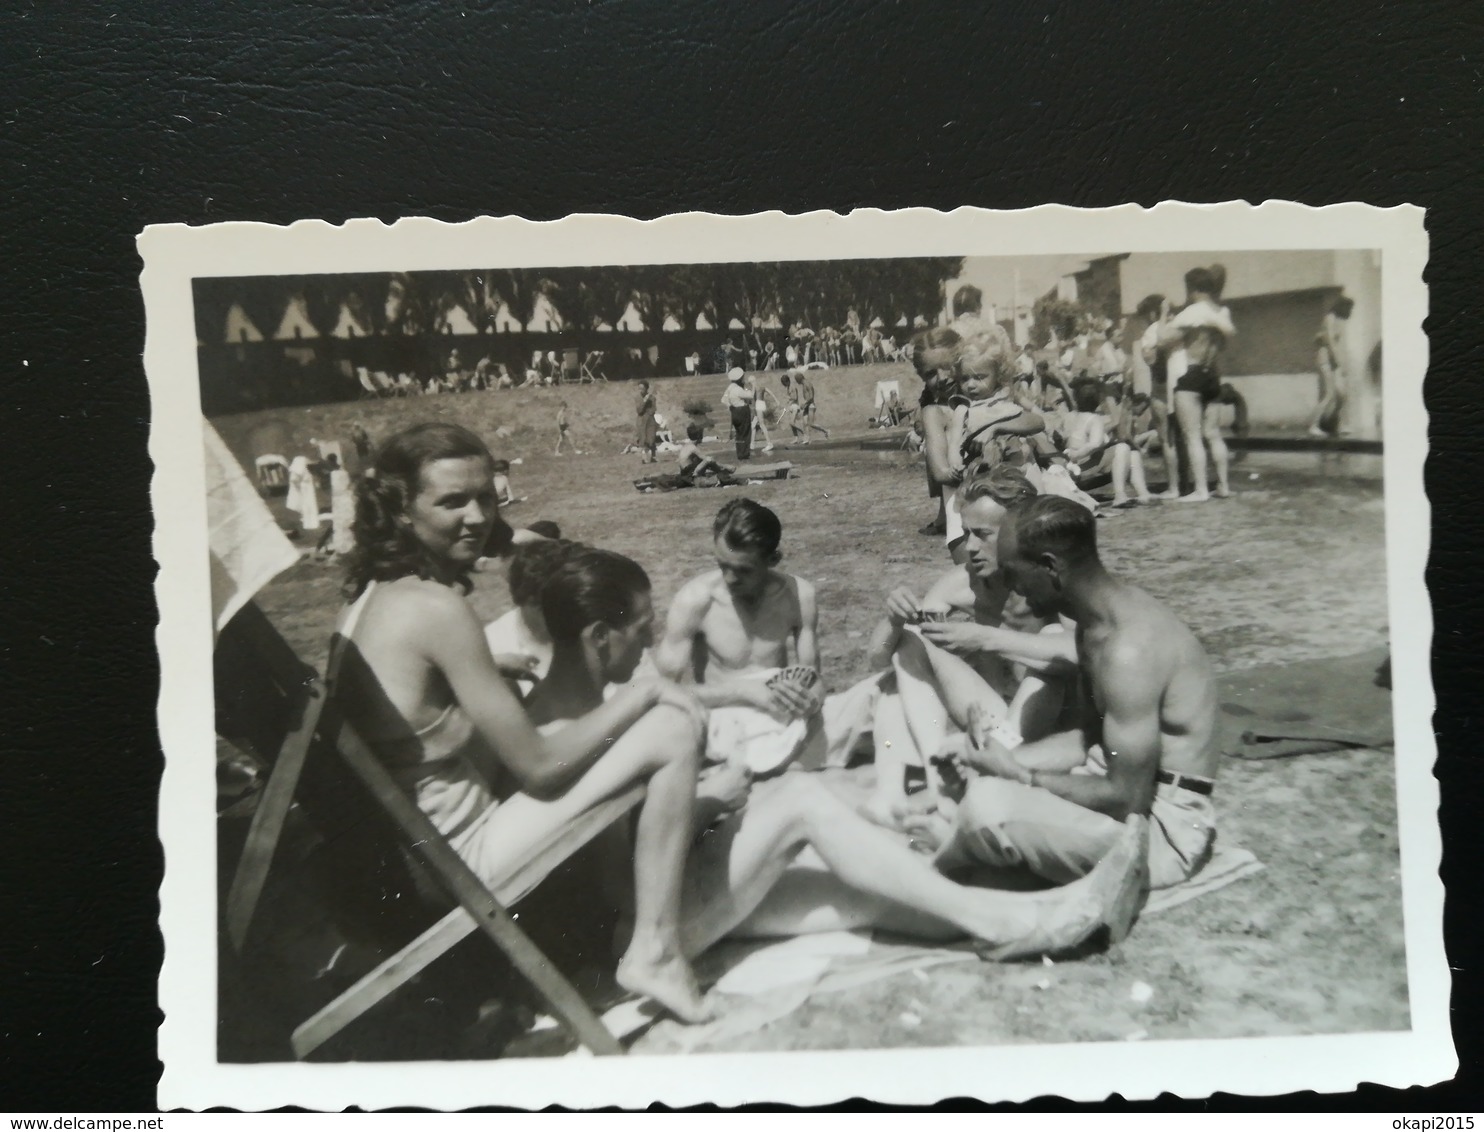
(898, 655)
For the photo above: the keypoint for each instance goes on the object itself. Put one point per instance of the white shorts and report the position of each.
(953, 521)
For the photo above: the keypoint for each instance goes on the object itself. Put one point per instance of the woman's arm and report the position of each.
(955, 440)
(1024, 424)
(453, 641)
(936, 421)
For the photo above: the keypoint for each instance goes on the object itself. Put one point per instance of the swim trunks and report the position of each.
(1200, 379)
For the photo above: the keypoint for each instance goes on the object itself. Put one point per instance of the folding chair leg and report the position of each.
(263, 833)
(390, 974)
(381, 981)
(477, 900)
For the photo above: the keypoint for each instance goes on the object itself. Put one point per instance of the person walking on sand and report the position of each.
(564, 432)
(760, 396)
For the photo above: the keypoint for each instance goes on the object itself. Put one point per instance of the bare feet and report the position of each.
(929, 830)
(1223, 493)
(1195, 497)
(1172, 493)
(669, 981)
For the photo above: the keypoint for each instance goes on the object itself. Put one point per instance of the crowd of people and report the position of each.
(802, 347)
(546, 368)
(1028, 711)
(1081, 414)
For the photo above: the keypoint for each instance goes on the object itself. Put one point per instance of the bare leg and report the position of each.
(1136, 476)
(1327, 397)
(1171, 456)
(800, 810)
(661, 749)
(759, 427)
(655, 963)
(1211, 428)
(1188, 410)
(925, 670)
(1037, 705)
(1120, 461)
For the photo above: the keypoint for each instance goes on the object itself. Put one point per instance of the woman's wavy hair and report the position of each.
(384, 548)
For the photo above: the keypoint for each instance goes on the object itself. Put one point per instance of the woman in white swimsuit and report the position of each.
(417, 680)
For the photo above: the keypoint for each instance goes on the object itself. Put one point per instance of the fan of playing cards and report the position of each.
(805, 680)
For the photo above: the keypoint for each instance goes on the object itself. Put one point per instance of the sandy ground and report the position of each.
(1291, 569)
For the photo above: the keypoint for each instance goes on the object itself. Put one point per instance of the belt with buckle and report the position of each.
(1189, 782)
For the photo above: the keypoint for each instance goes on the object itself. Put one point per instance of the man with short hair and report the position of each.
(1055, 806)
(730, 631)
(968, 647)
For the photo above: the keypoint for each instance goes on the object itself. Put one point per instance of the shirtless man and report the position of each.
(1055, 806)
(1003, 663)
(731, 629)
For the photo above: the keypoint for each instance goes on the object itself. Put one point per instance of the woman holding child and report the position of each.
(496, 777)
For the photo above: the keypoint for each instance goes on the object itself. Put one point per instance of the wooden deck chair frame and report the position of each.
(479, 908)
(592, 372)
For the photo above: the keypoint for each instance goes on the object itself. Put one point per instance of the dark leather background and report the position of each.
(112, 118)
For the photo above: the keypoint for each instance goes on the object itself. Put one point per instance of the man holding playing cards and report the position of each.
(1143, 743)
(731, 632)
(968, 652)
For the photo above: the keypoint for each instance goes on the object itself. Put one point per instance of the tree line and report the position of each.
(814, 293)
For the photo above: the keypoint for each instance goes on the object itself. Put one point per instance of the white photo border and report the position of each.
(175, 254)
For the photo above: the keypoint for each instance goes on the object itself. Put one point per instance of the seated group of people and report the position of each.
(1030, 713)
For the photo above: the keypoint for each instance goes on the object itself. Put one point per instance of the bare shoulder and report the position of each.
(955, 587)
(424, 598)
(803, 588)
(417, 613)
(693, 598)
(1151, 639)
